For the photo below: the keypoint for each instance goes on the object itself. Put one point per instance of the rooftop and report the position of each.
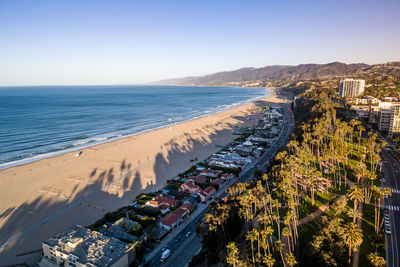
(90, 246)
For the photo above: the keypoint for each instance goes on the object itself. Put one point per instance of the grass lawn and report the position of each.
(306, 232)
(369, 236)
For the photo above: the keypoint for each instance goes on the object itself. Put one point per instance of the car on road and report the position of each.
(188, 234)
(387, 229)
(165, 255)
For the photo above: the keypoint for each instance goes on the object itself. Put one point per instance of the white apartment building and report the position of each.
(351, 88)
(394, 119)
(79, 246)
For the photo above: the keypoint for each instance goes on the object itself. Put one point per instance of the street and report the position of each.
(391, 168)
(184, 248)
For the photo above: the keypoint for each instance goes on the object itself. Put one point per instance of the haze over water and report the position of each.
(43, 121)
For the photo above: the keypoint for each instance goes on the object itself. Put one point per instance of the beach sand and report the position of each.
(43, 198)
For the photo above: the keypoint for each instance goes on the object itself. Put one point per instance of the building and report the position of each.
(120, 229)
(170, 221)
(189, 187)
(394, 120)
(167, 201)
(384, 120)
(206, 194)
(351, 88)
(153, 203)
(79, 246)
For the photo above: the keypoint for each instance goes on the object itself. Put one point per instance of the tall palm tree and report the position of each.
(252, 236)
(233, 254)
(376, 260)
(269, 260)
(357, 195)
(290, 259)
(279, 246)
(352, 237)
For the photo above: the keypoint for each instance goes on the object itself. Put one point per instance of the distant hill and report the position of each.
(286, 73)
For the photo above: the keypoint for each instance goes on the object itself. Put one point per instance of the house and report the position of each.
(175, 194)
(206, 194)
(210, 190)
(227, 176)
(164, 208)
(192, 201)
(189, 187)
(218, 181)
(210, 173)
(188, 207)
(153, 203)
(200, 179)
(120, 229)
(181, 212)
(170, 221)
(167, 201)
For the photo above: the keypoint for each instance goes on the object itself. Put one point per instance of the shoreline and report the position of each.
(270, 92)
(43, 198)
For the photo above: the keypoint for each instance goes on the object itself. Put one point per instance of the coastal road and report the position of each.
(184, 248)
(391, 169)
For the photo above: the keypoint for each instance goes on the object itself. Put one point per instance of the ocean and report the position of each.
(43, 121)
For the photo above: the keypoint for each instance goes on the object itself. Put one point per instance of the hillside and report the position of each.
(287, 73)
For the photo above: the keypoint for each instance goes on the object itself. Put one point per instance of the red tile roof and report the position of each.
(187, 206)
(190, 184)
(179, 211)
(167, 200)
(201, 179)
(163, 207)
(209, 189)
(218, 181)
(170, 219)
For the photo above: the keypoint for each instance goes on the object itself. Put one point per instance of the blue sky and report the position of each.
(128, 42)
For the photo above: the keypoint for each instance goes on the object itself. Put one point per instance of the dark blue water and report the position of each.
(37, 122)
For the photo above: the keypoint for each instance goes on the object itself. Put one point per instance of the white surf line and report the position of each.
(73, 204)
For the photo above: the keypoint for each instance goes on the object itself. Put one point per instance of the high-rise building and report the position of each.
(394, 120)
(351, 87)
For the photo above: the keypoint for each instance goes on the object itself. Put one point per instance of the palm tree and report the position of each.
(290, 259)
(269, 260)
(376, 260)
(279, 246)
(357, 195)
(252, 236)
(352, 237)
(233, 254)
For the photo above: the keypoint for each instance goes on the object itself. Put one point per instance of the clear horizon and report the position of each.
(130, 43)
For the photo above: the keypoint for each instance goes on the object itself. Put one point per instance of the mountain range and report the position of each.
(286, 73)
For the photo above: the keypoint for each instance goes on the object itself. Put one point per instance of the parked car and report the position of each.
(188, 234)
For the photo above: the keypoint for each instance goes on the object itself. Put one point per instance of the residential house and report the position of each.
(189, 187)
(200, 179)
(164, 209)
(210, 173)
(170, 221)
(153, 203)
(206, 194)
(167, 201)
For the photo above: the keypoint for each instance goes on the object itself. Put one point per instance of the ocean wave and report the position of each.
(50, 149)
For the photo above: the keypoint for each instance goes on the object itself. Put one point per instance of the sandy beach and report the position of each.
(43, 198)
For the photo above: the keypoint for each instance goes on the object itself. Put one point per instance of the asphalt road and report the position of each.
(391, 168)
(184, 248)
